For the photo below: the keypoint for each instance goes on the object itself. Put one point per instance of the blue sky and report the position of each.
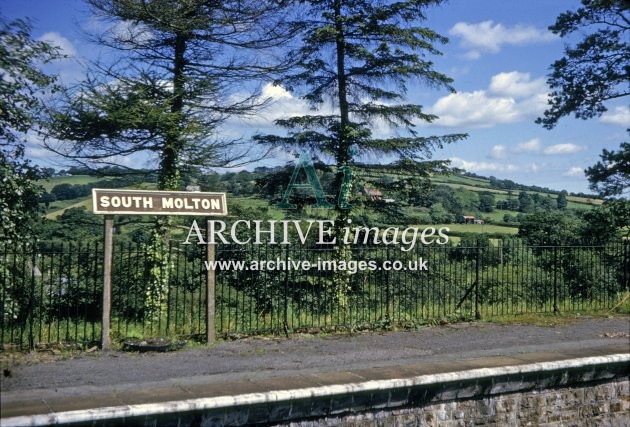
(499, 54)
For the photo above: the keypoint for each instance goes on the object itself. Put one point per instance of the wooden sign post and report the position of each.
(210, 281)
(143, 202)
(107, 279)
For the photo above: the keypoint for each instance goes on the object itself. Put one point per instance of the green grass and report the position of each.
(478, 185)
(481, 185)
(70, 179)
(561, 318)
(475, 228)
(233, 322)
(254, 203)
(461, 179)
(475, 188)
(584, 200)
(58, 208)
(496, 215)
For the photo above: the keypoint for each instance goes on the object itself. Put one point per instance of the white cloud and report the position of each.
(575, 172)
(71, 68)
(55, 39)
(282, 105)
(488, 37)
(563, 149)
(474, 166)
(276, 92)
(620, 116)
(130, 32)
(475, 109)
(511, 97)
(497, 167)
(516, 84)
(531, 146)
(499, 151)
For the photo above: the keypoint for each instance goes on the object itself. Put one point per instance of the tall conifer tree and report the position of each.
(179, 69)
(359, 56)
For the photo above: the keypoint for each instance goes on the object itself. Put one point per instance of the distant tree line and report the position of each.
(507, 184)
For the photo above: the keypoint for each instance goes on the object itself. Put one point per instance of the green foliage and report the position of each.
(73, 225)
(549, 228)
(439, 215)
(505, 276)
(525, 203)
(513, 204)
(561, 200)
(607, 222)
(595, 70)
(486, 202)
(156, 276)
(21, 84)
(21, 79)
(507, 218)
(19, 194)
(592, 72)
(611, 175)
(378, 48)
(15, 276)
(68, 191)
(172, 83)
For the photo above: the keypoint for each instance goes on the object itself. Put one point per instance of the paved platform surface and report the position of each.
(259, 365)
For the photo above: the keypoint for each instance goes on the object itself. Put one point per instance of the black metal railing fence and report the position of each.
(51, 293)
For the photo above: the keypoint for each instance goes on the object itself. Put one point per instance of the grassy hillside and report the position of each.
(70, 179)
(482, 185)
(458, 229)
(57, 208)
(235, 203)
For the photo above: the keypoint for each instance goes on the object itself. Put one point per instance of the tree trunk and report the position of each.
(169, 174)
(342, 156)
(341, 282)
(169, 165)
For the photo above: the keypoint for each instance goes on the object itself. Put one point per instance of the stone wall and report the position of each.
(589, 391)
(581, 392)
(602, 404)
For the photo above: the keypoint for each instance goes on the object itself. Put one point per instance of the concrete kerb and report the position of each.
(210, 403)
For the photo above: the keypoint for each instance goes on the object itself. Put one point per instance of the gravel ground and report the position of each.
(264, 357)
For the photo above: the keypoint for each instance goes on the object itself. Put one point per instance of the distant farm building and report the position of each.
(466, 219)
(372, 194)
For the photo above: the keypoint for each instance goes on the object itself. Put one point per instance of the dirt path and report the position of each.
(256, 357)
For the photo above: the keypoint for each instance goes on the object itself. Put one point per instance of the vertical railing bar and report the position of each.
(31, 336)
(19, 250)
(42, 302)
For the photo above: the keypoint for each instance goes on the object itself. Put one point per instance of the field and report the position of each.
(476, 228)
(481, 185)
(58, 208)
(69, 179)
(236, 204)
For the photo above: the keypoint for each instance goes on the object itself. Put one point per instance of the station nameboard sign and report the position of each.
(145, 202)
